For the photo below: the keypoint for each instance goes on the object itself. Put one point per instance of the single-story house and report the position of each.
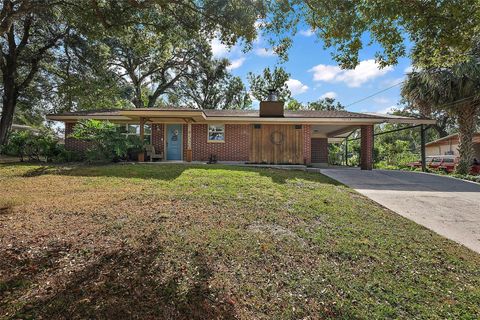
(449, 146)
(269, 135)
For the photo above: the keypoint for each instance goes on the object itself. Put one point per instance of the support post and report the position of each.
(422, 147)
(141, 155)
(366, 147)
(189, 141)
(346, 147)
(346, 151)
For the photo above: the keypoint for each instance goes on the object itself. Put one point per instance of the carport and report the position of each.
(342, 134)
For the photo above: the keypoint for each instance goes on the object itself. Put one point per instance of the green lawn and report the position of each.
(217, 242)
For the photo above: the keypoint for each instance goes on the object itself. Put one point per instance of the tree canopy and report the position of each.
(324, 104)
(55, 40)
(260, 84)
(82, 54)
(455, 90)
(441, 33)
(210, 86)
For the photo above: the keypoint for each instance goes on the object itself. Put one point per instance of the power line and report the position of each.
(399, 83)
(383, 90)
(376, 93)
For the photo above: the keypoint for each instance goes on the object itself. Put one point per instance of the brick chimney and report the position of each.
(272, 107)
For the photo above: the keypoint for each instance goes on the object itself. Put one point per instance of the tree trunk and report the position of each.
(9, 103)
(467, 122)
(137, 99)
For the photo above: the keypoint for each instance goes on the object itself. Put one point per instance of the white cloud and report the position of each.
(259, 24)
(387, 110)
(264, 52)
(408, 69)
(236, 63)
(364, 72)
(296, 86)
(218, 48)
(381, 100)
(325, 73)
(329, 94)
(307, 33)
(252, 97)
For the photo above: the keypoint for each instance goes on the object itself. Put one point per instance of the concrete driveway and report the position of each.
(447, 206)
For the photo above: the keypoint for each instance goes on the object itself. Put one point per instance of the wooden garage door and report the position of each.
(278, 144)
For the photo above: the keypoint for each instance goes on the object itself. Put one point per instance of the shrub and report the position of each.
(64, 155)
(108, 144)
(16, 145)
(32, 145)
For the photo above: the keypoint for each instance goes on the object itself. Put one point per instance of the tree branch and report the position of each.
(35, 62)
(26, 34)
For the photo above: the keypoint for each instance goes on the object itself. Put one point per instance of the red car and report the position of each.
(438, 161)
(418, 164)
(450, 166)
(447, 163)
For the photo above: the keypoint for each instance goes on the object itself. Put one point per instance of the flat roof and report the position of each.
(197, 115)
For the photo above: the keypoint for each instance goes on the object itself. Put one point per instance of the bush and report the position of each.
(67, 155)
(108, 144)
(33, 146)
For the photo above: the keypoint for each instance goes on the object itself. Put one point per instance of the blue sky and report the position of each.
(314, 74)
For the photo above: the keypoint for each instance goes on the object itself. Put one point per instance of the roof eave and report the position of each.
(54, 117)
(410, 121)
(309, 120)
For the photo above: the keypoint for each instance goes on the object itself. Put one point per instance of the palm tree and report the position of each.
(455, 90)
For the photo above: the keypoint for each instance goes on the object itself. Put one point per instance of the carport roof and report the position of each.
(197, 115)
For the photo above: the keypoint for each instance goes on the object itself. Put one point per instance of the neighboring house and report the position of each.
(268, 135)
(449, 146)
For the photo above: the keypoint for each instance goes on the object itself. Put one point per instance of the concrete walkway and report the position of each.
(447, 206)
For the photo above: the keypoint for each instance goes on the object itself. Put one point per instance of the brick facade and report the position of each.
(319, 149)
(307, 141)
(235, 148)
(158, 132)
(74, 144)
(366, 147)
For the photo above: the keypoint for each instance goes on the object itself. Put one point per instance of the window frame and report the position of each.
(209, 130)
(127, 133)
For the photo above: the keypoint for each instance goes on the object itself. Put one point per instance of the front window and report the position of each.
(216, 133)
(134, 130)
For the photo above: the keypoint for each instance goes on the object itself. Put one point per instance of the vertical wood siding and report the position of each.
(277, 144)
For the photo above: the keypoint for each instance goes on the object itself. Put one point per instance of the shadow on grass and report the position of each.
(25, 268)
(40, 171)
(132, 283)
(166, 172)
(169, 172)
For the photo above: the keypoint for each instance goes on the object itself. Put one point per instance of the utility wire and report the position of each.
(383, 90)
(373, 95)
(397, 84)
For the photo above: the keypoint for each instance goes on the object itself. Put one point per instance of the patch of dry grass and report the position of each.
(206, 242)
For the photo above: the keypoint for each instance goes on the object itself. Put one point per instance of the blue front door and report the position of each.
(174, 141)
